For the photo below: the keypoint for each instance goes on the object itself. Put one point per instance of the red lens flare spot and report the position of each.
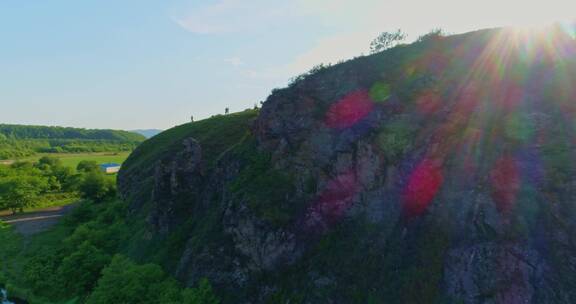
(423, 184)
(505, 180)
(511, 96)
(333, 202)
(337, 196)
(468, 100)
(349, 110)
(428, 103)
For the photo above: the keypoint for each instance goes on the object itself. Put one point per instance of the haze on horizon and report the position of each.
(150, 64)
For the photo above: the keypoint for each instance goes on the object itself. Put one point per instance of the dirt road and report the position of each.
(37, 221)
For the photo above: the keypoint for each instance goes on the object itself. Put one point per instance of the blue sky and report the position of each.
(151, 64)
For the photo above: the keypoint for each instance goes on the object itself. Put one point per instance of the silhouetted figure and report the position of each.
(226, 111)
(192, 118)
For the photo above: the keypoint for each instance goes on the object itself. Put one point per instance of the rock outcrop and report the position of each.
(437, 172)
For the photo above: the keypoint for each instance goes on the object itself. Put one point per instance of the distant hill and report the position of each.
(44, 132)
(22, 140)
(148, 132)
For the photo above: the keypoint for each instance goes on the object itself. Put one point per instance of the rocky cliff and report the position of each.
(436, 172)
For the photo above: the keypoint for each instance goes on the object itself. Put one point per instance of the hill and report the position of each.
(436, 172)
(44, 132)
(20, 140)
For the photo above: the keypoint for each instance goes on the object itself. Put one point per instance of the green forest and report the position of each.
(79, 260)
(27, 185)
(17, 141)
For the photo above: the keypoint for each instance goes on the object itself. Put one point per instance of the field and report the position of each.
(69, 160)
(72, 159)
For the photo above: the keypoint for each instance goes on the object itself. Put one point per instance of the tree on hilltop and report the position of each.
(386, 40)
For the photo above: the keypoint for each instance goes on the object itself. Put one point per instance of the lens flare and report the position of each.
(505, 179)
(349, 110)
(423, 184)
(380, 92)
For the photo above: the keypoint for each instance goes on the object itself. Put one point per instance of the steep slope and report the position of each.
(435, 172)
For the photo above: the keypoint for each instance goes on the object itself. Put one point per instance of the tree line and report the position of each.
(26, 184)
(83, 258)
(18, 148)
(17, 141)
(43, 132)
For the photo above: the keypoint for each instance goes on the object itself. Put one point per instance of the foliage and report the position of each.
(79, 259)
(87, 166)
(48, 182)
(380, 92)
(396, 138)
(123, 281)
(19, 192)
(216, 135)
(39, 272)
(84, 265)
(11, 246)
(421, 279)
(59, 176)
(313, 71)
(73, 255)
(265, 188)
(95, 186)
(23, 148)
(42, 132)
(433, 35)
(23, 141)
(72, 160)
(203, 294)
(386, 40)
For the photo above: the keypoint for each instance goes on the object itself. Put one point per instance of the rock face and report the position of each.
(437, 172)
(175, 176)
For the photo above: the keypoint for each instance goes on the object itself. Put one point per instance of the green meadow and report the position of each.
(72, 159)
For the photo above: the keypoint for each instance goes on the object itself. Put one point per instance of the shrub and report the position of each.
(433, 35)
(87, 166)
(395, 139)
(80, 270)
(203, 294)
(97, 187)
(123, 281)
(264, 188)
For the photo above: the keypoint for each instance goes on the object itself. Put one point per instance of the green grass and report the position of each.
(216, 135)
(72, 159)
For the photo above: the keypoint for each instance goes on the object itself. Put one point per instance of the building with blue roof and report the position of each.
(110, 168)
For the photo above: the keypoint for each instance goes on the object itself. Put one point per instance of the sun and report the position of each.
(543, 32)
(543, 15)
